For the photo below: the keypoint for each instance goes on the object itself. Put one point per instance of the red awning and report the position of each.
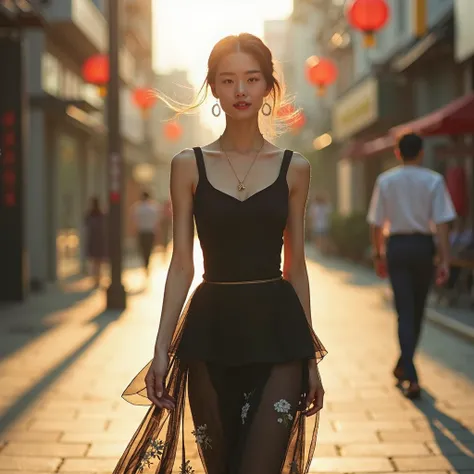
(358, 150)
(378, 145)
(456, 118)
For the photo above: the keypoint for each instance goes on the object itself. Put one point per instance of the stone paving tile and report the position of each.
(30, 436)
(345, 426)
(348, 437)
(326, 451)
(24, 463)
(448, 448)
(386, 449)
(95, 437)
(61, 450)
(25, 472)
(84, 405)
(355, 464)
(347, 416)
(426, 435)
(396, 415)
(88, 465)
(107, 450)
(69, 426)
(341, 407)
(434, 462)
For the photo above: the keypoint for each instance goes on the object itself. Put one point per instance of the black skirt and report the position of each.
(239, 358)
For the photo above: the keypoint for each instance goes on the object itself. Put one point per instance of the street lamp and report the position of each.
(116, 297)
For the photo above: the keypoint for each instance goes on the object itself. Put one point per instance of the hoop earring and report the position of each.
(216, 109)
(268, 110)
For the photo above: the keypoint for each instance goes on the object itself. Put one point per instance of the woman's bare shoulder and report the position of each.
(299, 164)
(183, 157)
(183, 165)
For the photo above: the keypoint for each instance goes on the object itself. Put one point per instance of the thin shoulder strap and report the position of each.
(200, 162)
(285, 164)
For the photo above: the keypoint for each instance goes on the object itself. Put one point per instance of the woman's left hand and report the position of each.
(314, 400)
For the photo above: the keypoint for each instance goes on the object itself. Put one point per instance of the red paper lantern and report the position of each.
(96, 70)
(368, 16)
(320, 72)
(144, 98)
(173, 131)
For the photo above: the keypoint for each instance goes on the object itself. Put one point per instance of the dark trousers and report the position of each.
(411, 271)
(145, 242)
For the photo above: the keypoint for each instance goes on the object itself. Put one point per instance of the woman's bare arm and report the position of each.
(294, 267)
(181, 269)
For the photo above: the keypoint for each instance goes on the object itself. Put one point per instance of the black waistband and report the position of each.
(411, 234)
(245, 282)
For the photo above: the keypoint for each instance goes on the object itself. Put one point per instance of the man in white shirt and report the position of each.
(146, 215)
(410, 202)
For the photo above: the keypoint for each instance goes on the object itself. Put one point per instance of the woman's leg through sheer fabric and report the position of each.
(248, 419)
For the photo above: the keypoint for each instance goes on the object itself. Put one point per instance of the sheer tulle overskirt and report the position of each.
(229, 418)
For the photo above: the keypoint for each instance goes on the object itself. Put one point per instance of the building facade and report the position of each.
(410, 73)
(15, 19)
(65, 140)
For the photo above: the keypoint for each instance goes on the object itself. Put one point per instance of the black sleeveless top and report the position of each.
(241, 240)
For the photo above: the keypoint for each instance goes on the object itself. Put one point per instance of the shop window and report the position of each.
(401, 16)
(50, 74)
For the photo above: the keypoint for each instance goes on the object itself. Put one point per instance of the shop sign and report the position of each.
(356, 110)
(464, 39)
(8, 160)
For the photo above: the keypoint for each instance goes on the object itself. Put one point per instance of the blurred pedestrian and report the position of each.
(243, 351)
(411, 201)
(320, 218)
(96, 238)
(146, 215)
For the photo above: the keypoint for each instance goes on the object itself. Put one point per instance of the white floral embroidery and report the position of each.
(246, 407)
(283, 407)
(202, 438)
(245, 411)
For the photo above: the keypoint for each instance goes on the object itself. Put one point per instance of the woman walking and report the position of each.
(243, 352)
(96, 238)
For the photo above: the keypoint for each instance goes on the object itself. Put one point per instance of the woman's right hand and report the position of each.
(154, 380)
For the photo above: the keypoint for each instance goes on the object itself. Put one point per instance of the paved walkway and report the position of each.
(66, 361)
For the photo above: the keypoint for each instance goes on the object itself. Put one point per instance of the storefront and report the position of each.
(464, 54)
(70, 168)
(442, 108)
(365, 112)
(14, 268)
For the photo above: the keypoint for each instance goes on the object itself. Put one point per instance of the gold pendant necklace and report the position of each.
(241, 185)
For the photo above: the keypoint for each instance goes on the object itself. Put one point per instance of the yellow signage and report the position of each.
(356, 110)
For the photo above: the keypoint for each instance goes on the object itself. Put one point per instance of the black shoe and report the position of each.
(413, 391)
(398, 373)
